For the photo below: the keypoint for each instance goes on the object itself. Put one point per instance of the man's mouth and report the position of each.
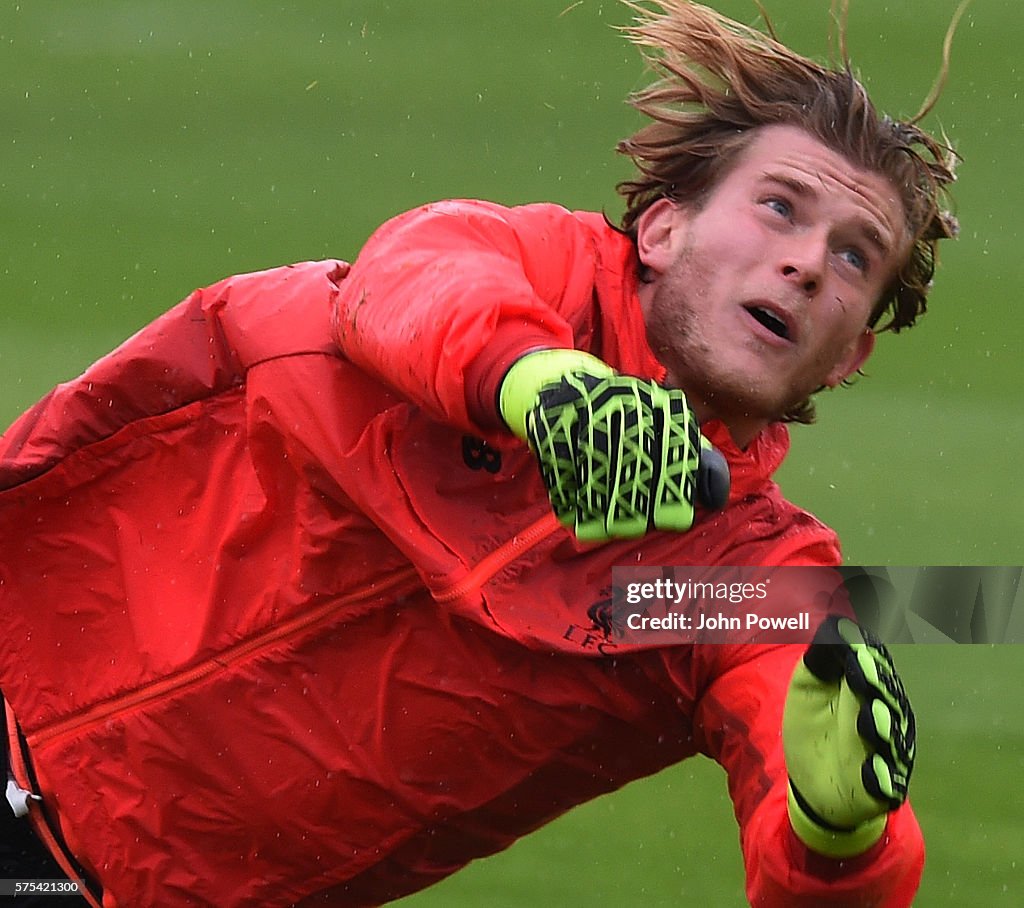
(771, 321)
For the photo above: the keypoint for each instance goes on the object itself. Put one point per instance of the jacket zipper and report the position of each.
(186, 678)
(501, 557)
(478, 575)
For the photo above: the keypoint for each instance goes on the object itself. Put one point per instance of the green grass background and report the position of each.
(147, 148)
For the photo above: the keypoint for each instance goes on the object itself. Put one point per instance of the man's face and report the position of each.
(762, 295)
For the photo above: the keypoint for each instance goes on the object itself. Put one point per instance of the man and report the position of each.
(294, 618)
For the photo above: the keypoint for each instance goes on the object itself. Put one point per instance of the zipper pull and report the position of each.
(18, 798)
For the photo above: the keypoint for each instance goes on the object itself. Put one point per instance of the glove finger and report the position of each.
(827, 654)
(872, 674)
(552, 439)
(877, 725)
(879, 729)
(885, 721)
(590, 481)
(610, 503)
(891, 730)
(888, 734)
(883, 782)
(630, 468)
(713, 479)
(675, 454)
(871, 671)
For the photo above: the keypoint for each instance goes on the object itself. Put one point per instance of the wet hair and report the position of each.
(720, 80)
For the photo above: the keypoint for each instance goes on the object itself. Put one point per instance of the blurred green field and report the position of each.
(153, 147)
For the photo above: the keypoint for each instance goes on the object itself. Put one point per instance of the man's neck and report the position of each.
(743, 429)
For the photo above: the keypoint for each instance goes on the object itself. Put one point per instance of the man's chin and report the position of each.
(729, 404)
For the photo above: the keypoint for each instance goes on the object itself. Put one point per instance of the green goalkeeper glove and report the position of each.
(849, 738)
(619, 455)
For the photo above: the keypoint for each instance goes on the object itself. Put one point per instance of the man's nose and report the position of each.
(803, 265)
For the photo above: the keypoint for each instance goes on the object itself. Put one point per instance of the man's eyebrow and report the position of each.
(868, 228)
(875, 237)
(798, 187)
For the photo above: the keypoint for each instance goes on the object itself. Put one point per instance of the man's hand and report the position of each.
(619, 455)
(849, 739)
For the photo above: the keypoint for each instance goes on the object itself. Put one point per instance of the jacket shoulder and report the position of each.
(201, 347)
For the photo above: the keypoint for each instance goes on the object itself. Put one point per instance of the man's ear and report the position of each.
(856, 355)
(658, 232)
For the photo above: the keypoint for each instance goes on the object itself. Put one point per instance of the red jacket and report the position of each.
(287, 615)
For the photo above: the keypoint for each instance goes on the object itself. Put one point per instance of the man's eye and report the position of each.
(779, 206)
(855, 258)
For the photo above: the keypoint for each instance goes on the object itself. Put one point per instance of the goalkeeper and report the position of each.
(309, 594)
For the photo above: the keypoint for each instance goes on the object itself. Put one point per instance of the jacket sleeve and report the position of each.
(740, 719)
(200, 347)
(444, 298)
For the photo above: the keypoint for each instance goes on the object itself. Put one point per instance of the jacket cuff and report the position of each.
(487, 370)
(830, 840)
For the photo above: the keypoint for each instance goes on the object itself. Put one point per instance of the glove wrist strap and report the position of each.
(530, 373)
(830, 840)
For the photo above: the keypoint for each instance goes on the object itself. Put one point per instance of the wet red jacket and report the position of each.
(286, 616)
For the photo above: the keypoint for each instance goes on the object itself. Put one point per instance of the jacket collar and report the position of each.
(750, 467)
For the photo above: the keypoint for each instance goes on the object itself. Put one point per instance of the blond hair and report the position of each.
(719, 80)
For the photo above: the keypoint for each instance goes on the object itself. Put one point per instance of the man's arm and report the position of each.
(619, 455)
(199, 348)
(442, 300)
(471, 311)
(741, 718)
(849, 736)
